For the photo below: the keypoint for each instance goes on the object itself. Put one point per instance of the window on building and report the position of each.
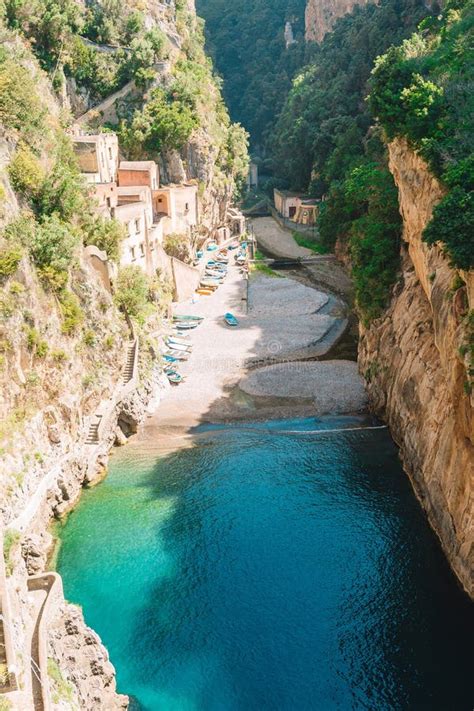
(132, 253)
(110, 153)
(137, 225)
(152, 245)
(142, 249)
(186, 206)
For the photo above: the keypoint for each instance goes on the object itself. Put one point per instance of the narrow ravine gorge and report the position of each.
(236, 355)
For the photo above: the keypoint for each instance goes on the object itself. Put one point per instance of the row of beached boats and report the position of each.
(178, 343)
(215, 271)
(179, 346)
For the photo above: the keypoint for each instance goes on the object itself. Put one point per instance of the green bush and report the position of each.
(20, 230)
(20, 107)
(107, 235)
(162, 123)
(179, 246)
(374, 236)
(453, 225)
(52, 278)
(49, 23)
(309, 242)
(131, 291)
(58, 355)
(71, 312)
(32, 337)
(96, 71)
(26, 173)
(11, 539)
(63, 687)
(364, 211)
(89, 338)
(63, 191)
(54, 243)
(10, 258)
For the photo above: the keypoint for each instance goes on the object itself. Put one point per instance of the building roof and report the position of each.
(130, 210)
(93, 137)
(132, 189)
(289, 193)
(138, 165)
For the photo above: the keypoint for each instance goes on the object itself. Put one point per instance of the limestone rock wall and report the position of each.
(417, 372)
(321, 15)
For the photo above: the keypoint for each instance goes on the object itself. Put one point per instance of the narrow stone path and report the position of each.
(276, 240)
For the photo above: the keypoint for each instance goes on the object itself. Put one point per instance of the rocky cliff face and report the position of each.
(415, 360)
(321, 16)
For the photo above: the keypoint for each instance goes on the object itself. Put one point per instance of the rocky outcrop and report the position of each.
(415, 362)
(321, 16)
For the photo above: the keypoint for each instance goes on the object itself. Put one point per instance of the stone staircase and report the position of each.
(93, 434)
(129, 370)
(126, 384)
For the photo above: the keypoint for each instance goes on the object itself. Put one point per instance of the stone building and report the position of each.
(289, 37)
(180, 204)
(252, 176)
(97, 157)
(287, 202)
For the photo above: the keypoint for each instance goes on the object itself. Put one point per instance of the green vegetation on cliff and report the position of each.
(322, 130)
(325, 143)
(247, 44)
(68, 37)
(422, 90)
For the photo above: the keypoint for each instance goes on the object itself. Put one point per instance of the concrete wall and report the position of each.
(180, 204)
(137, 194)
(134, 246)
(186, 279)
(185, 214)
(284, 201)
(97, 156)
(105, 194)
(99, 262)
(161, 262)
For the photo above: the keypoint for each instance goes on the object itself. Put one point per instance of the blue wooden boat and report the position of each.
(186, 325)
(184, 317)
(184, 348)
(177, 355)
(181, 337)
(211, 247)
(170, 359)
(230, 319)
(174, 377)
(199, 253)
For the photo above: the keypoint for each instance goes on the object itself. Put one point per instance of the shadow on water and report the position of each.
(263, 568)
(267, 569)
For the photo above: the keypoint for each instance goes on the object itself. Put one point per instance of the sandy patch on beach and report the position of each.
(334, 386)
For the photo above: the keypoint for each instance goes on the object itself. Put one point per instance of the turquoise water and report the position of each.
(267, 568)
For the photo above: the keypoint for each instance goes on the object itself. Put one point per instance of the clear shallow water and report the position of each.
(265, 569)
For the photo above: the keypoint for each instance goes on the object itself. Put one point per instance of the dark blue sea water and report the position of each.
(268, 569)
